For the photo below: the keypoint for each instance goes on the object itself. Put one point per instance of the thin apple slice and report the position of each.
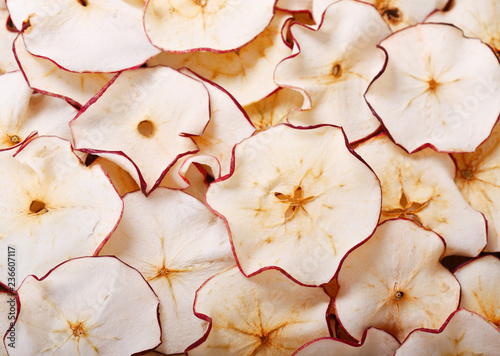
(266, 314)
(431, 91)
(177, 176)
(395, 282)
(78, 309)
(480, 279)
(143, 121)
(78, 34)
(297, 194)
(212, 25)
(333, 66)
(9, 305)
(53, 208)
(177, 244)
(421, 187)
(464, 333)
(7, 59)
(123, 182)
(374, 342)
(45, 76)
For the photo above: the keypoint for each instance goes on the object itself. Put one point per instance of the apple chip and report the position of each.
(480, 279)
(420, 187)
(7, 59)
(465, 333)
(53, 208)
(246, 73)
(395, 282)
(78, 309)
(214, 25)
(295, 5)
(142, 122)
(297, 194)
(177, 244)
(79, 34)
(333, 66)
(266, 314)
(121, 180)
(374, 342)
(432, 90)
(9, 306)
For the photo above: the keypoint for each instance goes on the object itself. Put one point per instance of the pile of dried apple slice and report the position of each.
(236, 177)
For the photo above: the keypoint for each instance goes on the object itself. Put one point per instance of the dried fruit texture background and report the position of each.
(249, 177)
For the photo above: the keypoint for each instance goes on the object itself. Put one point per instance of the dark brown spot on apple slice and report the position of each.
(467, 174)
(38, 207)
(393, 15)
(337, 70)
(15, 139)
(82, 2)
(146, 128)
(449, 5)
(398, 295)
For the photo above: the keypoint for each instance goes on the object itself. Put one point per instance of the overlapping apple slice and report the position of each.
(266, 314)
(143, 121)
(53, 208)
(464, 333)
(246, 73)
(333, 66)
(121, 179)
(78, 309)
(9, 305)
(213, 25)
(395, 282)
(421, 187)
(7, 59)
(295, 5)
(45, 76)
(374, 342)
(480, 279)
(177, 244)
(78, 34)
(438, 88)
(297, 194)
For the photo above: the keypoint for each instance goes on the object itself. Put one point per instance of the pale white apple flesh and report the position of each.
(7, 59)
(9, 306)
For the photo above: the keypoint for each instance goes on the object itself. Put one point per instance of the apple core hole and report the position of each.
(337, 70)
(82, 2)
(37, 207)
(398, 295)
(15, 139)
(146, 128)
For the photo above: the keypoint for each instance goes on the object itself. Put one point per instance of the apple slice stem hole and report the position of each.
(398, 295)
(146, 128)
(15, 139)
(38, 207)
(337, 70)
(82, 2)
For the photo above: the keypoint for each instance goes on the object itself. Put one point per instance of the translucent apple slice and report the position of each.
(45, 76)
(374, 342)
(53, 208)
(478, 18)
(78, 309)
(432, 89)
(266, 314)
(297, 194)
(78, 34)
(421, 187)
(480, 279)
(143, 121)
(464, 333)
(246, 73)
(177, 244)
(212, 25)
(333, 67)
(395, 282)
(7, 59)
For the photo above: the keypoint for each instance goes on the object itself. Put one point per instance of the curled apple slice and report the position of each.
(78, 309)
(266, 314)
(297, 194)
(438, 88)
(7, 59)
(177, 244)
(464, 333)
(333, 67)
(78, 34)
(395, 282)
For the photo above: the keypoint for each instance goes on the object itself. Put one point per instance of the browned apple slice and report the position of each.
(79, 309)
(395, 282)
(266, 314)
(297, 199)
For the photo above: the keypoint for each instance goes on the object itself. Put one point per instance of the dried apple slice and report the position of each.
(78, 34)
(214, 25)
(295, 5)
(421, 187)
(374, 342)
(297, 194)
(266, 314)
(53, 207)
(333, 67)
(7, 59)
(45, 76)
(464, 333)
(432, 91)
(78, 309)
(142, 122)
(247, 73)
(177, 244)
(480, 279)
(9, 305)
(122, 181)
(395, 282)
